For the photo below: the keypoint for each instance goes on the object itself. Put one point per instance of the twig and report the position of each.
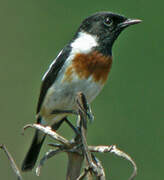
(101, 149)
(47, 130)
(99, 165)
(75, 161)
(82, 106)
(12, 162)
(84, 174)
(120, 153)
(117, 152)
(47, 156)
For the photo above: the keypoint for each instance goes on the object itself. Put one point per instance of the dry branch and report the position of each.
(78, 150)
(12, 162)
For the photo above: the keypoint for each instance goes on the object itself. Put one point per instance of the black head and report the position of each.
(106, 26)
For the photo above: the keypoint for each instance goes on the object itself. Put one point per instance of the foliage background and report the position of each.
(129, 111)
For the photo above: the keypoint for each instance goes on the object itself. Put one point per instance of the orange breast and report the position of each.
(94, 64)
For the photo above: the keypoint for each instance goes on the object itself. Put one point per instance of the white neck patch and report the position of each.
(84, 43)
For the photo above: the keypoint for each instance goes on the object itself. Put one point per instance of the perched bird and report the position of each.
(82, 65)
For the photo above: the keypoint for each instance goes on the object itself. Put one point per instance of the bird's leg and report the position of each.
(56, 126)
(89, 112)
(72, 127)
(74, 112)
(59, 111)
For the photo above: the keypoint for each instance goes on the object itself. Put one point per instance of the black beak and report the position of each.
(128, 22)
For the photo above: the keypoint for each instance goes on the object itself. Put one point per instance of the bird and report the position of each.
(83, 65)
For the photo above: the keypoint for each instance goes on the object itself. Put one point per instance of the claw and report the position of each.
(89, 113)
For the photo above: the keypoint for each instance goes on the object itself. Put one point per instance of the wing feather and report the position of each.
(51, 75)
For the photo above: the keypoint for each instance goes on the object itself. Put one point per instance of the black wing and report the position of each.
(51, 75)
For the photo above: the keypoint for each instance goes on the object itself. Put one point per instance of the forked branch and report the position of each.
(78, 150)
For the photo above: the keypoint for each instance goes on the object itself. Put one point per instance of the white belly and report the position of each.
(62, 95)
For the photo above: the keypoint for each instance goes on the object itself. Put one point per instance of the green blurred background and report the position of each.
(129, 111)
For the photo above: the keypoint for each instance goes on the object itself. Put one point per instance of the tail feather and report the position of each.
(32, 155)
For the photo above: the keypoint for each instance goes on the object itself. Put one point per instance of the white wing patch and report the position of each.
(51, 65)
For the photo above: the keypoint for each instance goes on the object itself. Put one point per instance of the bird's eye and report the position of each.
(108, 21)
